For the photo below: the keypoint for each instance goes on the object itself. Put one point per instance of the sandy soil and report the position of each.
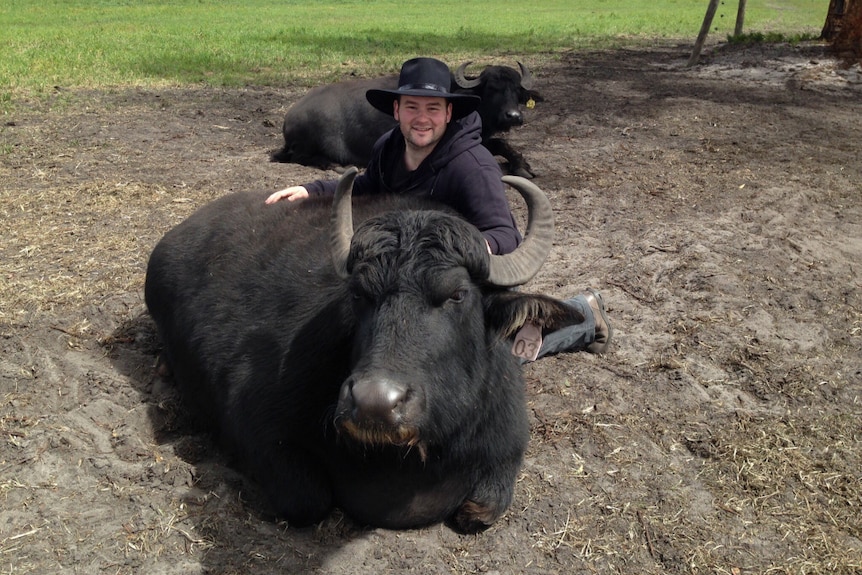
(717, 208)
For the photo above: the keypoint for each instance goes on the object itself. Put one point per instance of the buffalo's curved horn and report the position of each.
(341, 222)
(519, 267)
(526, 77)
(462, 80)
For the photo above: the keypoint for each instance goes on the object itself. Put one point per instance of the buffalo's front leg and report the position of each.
(517, 164)
(487, 503)
(297, 487)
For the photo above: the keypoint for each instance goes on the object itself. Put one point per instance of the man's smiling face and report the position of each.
(422, 119)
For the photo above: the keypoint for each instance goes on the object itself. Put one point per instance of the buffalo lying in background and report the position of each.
(334, 125)
(375, 376)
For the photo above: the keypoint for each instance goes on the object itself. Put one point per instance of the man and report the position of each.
(437, 152)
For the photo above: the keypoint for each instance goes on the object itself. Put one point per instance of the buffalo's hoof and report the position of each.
(524, 173)
(520, 168)
(163, 369)
(474, 517)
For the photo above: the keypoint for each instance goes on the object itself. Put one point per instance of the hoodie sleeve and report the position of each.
(361, 185)
(476, 189)
(482, 200)
(368, 182)
(321, 187)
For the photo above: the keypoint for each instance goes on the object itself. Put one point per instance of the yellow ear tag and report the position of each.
(531, 103)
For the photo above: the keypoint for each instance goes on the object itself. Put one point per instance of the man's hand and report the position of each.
(292, 194)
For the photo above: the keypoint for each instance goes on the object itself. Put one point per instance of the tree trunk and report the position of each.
(847, 41)
(834, 19)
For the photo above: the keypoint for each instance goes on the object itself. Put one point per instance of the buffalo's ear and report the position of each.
(506, 311)
(535, 96)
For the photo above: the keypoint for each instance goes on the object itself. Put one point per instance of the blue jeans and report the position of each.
(574, 337)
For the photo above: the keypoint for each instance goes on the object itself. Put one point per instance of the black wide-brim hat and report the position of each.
(424, 77)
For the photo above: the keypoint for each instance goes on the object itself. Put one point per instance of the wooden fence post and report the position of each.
(704, 30)
(740, 18)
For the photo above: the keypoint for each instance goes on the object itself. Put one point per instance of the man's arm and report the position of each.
(363, 184)
(483, 201)
(291, 194)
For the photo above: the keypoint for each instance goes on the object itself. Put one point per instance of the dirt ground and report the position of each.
(717, 208)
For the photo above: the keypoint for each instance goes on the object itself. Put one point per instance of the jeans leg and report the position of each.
(574, 337)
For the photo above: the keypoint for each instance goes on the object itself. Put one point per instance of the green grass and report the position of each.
(770, 38)
(99, 43)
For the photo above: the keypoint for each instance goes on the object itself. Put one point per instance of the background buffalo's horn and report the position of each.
(519, 267)
(526, 77)
(341, 222)
(461, 80)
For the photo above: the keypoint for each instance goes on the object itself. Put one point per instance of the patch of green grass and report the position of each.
(97, 43)
(5, 100)
(770, 38)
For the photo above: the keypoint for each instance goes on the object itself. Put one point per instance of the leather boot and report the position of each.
(604, 331)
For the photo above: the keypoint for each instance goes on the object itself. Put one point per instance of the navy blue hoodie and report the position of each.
(460, 173)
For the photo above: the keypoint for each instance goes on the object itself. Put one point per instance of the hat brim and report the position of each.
(462, 104)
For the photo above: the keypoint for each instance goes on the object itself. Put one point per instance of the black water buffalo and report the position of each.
(375, 375)
(334, 125)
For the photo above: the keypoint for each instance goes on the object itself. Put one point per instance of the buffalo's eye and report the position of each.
(458, 296)
(361, 298)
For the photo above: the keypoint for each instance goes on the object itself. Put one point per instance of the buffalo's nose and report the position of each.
(515, 116)
(377, 401)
